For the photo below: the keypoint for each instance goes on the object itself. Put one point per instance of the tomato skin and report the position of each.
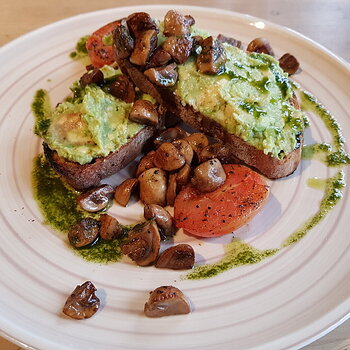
(99, 53)
(224, 210)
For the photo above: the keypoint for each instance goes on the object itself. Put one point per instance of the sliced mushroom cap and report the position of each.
(179, 257)
(153, 184)
(166, 301)
(96, 199)
(218, 150)
(144, 112)
(162, 76)
(171, 190)
(123, 42)
(94, 76)
(197, 141)
(123, 192)
(185, 149)
(143, 244)
(84, 232)
(123, 88)
(168, 157)
(83, 302)
(183, 176)
(145, 44)
(231, 41)
(139, 22)
(209, 176)
(260, 45)
(180, 48)
(163, 219)
(170, 135)
(159, 58)
(109, 227)
(145, 163)
(212, 58)
(289, 63)
(177, 24)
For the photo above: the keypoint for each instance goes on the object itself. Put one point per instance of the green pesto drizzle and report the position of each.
(237, 253)
(80, 49)
(41, 108)
(57, 203)
(103, 252)
(333, 155)
(333, 193)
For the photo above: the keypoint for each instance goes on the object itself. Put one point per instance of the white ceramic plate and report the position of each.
(283, 302)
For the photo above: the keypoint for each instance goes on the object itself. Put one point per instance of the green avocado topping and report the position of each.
(88, 125)
(250, 100)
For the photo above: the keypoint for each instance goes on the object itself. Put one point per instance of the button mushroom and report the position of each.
(96, 199)
(223, 152)
(231, 41)
(171, 190)
(123, 88)
(139, 22)
(145, 44)
(143, 243)
(289, 63)
(180, 48)
(185, 149)
(168, 157)
(162, 76)
(179, 257)
(209, 176)
(145, 163)
(183, 176)
(123, 192)
(94, 76)
(83, 302)
(212, 58)
(170, 135)
(84, 232)
(159, 58)
(109, 227)
(197, 141)
(260, 45)
(177, 24)
(153, 184)
(166, 301)
(123, 42)
(144, 112)
(163, 219)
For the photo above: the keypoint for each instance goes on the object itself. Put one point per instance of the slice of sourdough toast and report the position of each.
(83, 176)
(269, 166)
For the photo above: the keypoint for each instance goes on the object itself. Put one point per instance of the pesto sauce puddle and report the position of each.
(57, 203)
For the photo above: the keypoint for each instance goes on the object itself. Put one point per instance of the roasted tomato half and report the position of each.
(224, 210)
(99, 45)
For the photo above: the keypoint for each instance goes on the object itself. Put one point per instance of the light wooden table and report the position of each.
(325, 21)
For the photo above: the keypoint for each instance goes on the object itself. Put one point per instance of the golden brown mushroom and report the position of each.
(153, 185)
(166, 301)
(143, 243)
(209, 176)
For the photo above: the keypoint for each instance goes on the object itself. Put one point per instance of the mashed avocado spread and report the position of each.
(91, 124)
(251, 100)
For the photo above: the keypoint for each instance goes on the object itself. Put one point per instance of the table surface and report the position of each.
(325, 21)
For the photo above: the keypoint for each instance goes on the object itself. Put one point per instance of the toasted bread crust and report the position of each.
(88, 175)
(269, 166)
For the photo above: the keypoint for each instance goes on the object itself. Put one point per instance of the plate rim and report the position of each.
(342, 62)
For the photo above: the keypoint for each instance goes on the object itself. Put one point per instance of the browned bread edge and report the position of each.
(269, 166)
(88, 175)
